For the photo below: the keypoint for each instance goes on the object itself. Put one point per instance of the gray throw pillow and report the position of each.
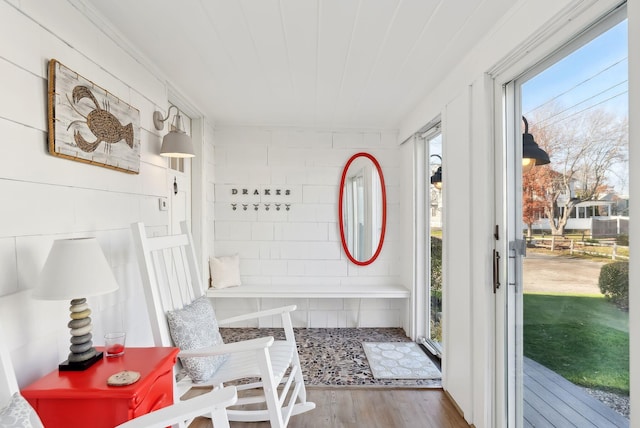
(19, 413)
(194, 327)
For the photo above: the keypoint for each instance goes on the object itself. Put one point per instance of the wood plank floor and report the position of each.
(552, 401)
(371, 408)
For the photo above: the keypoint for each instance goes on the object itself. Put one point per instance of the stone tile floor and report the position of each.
(335, 357)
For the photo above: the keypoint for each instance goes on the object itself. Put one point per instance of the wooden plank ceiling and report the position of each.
(312, 63)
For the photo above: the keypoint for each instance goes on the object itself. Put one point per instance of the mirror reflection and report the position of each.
(362, 209)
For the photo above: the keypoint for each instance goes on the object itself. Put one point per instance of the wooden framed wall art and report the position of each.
(89, 124)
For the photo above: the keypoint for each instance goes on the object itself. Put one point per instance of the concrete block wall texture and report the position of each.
(301, 246)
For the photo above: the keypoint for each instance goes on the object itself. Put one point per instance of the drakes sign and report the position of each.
(245, 198)
(258, 192)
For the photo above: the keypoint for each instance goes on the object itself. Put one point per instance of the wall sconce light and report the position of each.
(176, 144)
(75, 269)
(436, 178)
(532, 154)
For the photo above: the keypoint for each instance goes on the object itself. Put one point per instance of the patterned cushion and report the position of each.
(195, 327)
(19, 414)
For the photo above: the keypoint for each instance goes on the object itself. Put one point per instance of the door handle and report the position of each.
(496, 270)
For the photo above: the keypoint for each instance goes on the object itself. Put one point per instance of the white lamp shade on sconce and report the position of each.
(177, 144)
(75, 268)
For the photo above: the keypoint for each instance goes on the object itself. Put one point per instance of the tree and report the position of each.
(583, 149)
(534, 185)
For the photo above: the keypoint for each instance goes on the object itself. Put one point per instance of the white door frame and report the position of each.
(578, 26)
(196, 217)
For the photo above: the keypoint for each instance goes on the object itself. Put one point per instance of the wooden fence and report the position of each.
(601, 249)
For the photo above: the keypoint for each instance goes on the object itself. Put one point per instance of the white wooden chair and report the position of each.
(213, 404)
(8, 382)
(171, 280)
(14, 410)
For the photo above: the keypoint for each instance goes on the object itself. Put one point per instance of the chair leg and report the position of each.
(270, 389)
(220, 418)
(302, 393)
(290, 336)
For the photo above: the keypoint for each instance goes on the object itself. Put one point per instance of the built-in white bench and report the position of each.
(274, 291)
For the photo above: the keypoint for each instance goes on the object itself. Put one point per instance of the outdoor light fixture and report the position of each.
(436, 178)
(75, 269)
(532, 154)
(176, 144)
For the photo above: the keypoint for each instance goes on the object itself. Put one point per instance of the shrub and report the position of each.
(436, 330)
(623, 240)
(436, 267)
(614, 283)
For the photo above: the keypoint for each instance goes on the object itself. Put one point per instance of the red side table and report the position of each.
(83, 398)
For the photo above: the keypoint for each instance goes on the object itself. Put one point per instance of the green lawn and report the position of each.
(585, 339)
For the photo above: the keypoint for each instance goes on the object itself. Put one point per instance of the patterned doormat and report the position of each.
(399, 360)
(334, 357)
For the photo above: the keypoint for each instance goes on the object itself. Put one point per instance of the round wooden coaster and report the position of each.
(123, 378)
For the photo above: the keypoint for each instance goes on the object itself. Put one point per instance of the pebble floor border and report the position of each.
(334, 356)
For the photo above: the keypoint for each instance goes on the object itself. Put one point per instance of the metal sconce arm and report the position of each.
(158, 121)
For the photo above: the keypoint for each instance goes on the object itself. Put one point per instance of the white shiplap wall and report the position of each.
(46, 198)
(302, 246)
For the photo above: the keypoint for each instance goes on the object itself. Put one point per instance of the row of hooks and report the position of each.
(256, 207)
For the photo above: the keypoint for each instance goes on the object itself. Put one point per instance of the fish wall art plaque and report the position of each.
(89, 124)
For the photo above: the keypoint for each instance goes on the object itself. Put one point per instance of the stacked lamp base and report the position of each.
(83, 355)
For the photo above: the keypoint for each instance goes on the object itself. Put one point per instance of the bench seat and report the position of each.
(333, 291)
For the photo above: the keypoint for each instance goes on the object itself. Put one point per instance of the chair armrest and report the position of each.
(206, 404)
(260, 314)
(229, 348)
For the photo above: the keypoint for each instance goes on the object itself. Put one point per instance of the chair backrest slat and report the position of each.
(8, 382)
(170, 276)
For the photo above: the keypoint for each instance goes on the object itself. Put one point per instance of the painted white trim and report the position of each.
(198, 197)
(481, 244)
(558, 28)
(512, 183)
(633, 14)
(421, 250)
(567, 39)
(501, 396)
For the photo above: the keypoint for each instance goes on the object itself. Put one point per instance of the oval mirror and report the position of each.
(362, 209)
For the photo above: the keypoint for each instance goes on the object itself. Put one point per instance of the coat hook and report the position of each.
(278, 207)
(287, 206)
(234, 206)
(175, 186)
(244, 207)
(255, 206)
(266, 207)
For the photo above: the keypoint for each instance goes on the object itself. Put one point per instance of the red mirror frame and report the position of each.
(341, 213)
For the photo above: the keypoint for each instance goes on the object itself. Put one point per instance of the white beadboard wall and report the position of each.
(302, 246)
(46, 198)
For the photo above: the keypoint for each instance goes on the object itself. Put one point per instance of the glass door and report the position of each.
(433, 200)
(573, 106)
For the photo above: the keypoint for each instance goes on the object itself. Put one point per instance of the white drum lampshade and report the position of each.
(74, 270)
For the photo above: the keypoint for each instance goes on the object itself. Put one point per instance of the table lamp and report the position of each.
(75, 269)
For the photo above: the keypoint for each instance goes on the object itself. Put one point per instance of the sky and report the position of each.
(595, 73)
(593, 76)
